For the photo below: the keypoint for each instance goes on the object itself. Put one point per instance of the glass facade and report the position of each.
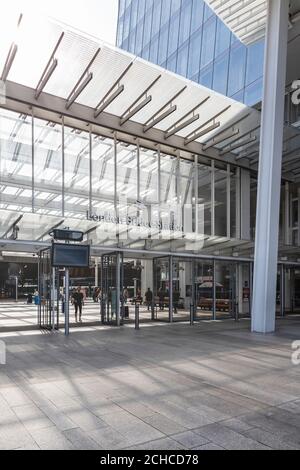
(51, 171)
(186, 37)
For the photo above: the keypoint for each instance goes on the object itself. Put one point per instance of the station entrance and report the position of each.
(119, 286)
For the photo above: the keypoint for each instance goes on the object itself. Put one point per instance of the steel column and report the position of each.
(270, 162)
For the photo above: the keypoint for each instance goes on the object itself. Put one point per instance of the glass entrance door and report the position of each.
(161, 289)
(204, 290)
(111, 298)
(48, 296)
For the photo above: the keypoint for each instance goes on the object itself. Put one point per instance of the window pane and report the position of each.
(156, 18)
(253, 93)
(127, 177)
(255, 62)
(221, 74)
(77, 172)
(134, 13)
(171, 65)
(208, 12)
(163, 45)
(222, 38)
(168, 166)
(153, 50)
(148, 176)
(194, 54)
(47, 168)
(185, 21)
(141, 9)
(197, 15)
(206, 75)
(204, 199)
(139, 38)
(16, 161)
(237, 69)
(220, 202)
(208, 42)
(102, 174)
(173, 35)
(165, 12)
(182, 61)
(147, 26)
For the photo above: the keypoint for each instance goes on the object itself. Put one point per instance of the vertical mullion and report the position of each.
(138, 164)
(63, 166)
(228, 202)
(213, 198)
(90, 170)
(32, 161)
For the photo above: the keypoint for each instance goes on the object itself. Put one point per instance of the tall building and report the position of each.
(174, 186)
(186, 37)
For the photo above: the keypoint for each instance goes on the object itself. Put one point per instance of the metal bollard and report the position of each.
(137, 317)
(191, 314)
(237, 312)
(152, 312)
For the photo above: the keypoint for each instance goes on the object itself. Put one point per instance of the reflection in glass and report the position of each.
(16, 161)
(77, 172)
(47, 167)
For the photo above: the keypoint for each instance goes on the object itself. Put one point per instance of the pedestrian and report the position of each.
(161, 296)
(149, 297)
(77, 300)
(125, 295)
(176, 299)
(95, 295)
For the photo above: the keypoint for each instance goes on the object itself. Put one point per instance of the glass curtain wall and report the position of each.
(186, 37)
(76, 172)
(48, 168)
(53, 170)
(16, 163)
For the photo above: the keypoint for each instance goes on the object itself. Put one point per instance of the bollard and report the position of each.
(191, 314)
(236, 312)
(137, 317)
(152, 312)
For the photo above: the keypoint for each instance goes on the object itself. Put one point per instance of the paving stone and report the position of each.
(236, 425)
(228, 439)
(271, 440)
(161, 444)
(189, 439)
(109, 439)
(138, 433)
(32, 417)
(85, 420)
(51, 439)
(209, 446)
(164, 424)
(80, 440)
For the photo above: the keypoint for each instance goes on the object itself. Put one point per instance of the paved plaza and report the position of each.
(211, 386)
(20, 315)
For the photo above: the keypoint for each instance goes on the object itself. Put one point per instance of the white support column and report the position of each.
(269, 178)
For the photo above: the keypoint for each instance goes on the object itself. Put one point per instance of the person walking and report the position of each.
(77, 299)
(161, 296)
(176, 299)
(149, 297)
